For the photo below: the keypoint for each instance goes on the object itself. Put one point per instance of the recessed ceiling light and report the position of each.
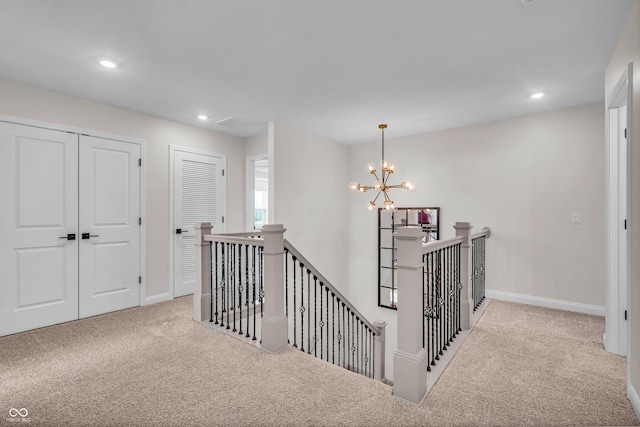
(528, 1)
(202, 117)
(107, 63)
(537, 95)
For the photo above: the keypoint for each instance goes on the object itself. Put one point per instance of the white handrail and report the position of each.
(486, 232)
(441, 244)
(239, 238)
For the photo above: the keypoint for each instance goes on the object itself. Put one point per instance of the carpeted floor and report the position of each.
(153, 365)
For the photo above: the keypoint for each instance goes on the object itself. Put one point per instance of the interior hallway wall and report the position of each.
(308, 177)
(37, 104)
(628, 51)
(256, 145)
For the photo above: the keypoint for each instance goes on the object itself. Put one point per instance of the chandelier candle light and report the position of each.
(380, 183)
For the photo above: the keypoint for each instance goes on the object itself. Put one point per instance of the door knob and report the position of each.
(69, 236)
(180, 231)
(88, 236)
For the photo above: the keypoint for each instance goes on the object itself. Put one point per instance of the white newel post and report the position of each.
(274, 321)
(202, 292)
(379, 351)
(410, 359)
(466, 295)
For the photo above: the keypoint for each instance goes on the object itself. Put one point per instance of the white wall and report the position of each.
(628, 50)
(523, 177)
(256, 145)
(41, 105)
(308, 186)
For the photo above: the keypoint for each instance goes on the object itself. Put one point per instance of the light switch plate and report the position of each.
(576, 219)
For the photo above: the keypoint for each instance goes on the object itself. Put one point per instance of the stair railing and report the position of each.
(259, 286)
(324, 323)
(440, 286)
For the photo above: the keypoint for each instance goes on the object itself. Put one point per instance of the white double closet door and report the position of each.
(69, 226)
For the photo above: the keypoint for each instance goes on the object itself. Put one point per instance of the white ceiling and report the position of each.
(333, 67)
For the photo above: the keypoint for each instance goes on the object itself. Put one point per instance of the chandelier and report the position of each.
(380, 184)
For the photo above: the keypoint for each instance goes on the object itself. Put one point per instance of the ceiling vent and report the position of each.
(232, 122)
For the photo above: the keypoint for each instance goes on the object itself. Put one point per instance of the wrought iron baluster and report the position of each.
(339, 336)
(301, 307)
(321, 321)
(438, 304)
(360, 348)
(370, 335)
(286, 282)
(366, 350)
(333, 330)
(315, 316)
(445, 332)
(261, 282)
(474, 265)
(233, 284)
(225, 248)
(424, 307)
(309, 308)
(327, 315)
(216, 279)
(211, 281)
(253, 288)
(447, 296)
(354, 348)
(247, 285)
(347, 349)
(286, 289)
(347, 330)
(353, 342)
(433, 303)
(373, 352)
(240, 288)
(295, 314)
(459, 282)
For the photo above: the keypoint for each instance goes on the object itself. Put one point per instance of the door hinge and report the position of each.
(625, 224)
(139, 280)
(625, 133)
(139, 220)
(222, 172)
(625, 315)
(139, 162)
(223, 220)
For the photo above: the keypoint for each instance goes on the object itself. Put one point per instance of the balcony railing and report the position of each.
(260, 287)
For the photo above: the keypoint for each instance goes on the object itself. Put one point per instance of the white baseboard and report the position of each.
(634, 399)
(546, 302)
(153, 299)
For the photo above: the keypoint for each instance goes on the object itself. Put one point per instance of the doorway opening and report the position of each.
(257, 192)
(616, 338)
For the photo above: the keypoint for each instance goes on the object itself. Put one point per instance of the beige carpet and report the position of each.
(152, 365)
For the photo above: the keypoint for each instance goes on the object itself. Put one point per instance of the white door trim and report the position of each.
(172, 150)
(617, 330)
(250, 180)
(143, 178)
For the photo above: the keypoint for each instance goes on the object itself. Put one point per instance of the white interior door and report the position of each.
(38, 227)
(198, 196)
(109, 225)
